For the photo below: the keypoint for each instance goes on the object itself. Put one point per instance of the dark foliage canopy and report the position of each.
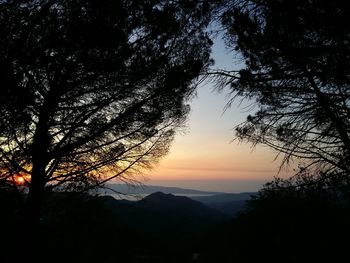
(297, 69)
(94, 88)
(306, 224)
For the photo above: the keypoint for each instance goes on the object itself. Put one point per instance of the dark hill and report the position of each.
(168, 203)
(228, 204)
(220, 198)
(159, 228)
(164, 213)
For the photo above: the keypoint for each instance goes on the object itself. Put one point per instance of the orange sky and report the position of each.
(206, 151)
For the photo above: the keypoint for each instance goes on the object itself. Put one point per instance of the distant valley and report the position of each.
(226, 203)
(229, 204)
(161, 227)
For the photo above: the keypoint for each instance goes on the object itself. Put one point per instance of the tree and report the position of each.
(93, 88)
(293, 220)
(297, 69)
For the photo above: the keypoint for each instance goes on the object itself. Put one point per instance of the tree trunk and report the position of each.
(35, 195)
(32, 213)
(40, 160)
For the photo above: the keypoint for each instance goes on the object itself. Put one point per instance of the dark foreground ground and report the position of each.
(167, 228)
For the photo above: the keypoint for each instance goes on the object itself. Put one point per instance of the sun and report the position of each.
(20, 180)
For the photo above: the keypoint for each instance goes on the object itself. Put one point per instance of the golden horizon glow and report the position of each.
(207, 152)
(216, 159)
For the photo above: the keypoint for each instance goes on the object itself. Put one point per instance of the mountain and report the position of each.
(229, 208)
(149, 189)
(226, 203)
(229, 204)
(166, 212)
(221, 198)
(176, 206)
(159, 228)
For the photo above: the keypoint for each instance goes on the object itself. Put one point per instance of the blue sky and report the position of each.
(205, 157)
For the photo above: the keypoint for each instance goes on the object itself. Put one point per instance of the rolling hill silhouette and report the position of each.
(163, 212)
(229, 204)
(159, 228)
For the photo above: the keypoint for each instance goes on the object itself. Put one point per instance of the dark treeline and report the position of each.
(289, 225)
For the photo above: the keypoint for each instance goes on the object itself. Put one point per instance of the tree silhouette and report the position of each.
(92, 89)
(296, 57)
(292, 219)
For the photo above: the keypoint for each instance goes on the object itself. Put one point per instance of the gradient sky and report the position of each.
(205, 157)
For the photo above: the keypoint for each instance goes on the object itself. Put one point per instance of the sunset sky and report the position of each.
(205, 157)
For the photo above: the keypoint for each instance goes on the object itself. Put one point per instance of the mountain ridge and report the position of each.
(163, 213)
(149, 189)
(229, 204)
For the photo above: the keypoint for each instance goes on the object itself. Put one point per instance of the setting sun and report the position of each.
(20, 180)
